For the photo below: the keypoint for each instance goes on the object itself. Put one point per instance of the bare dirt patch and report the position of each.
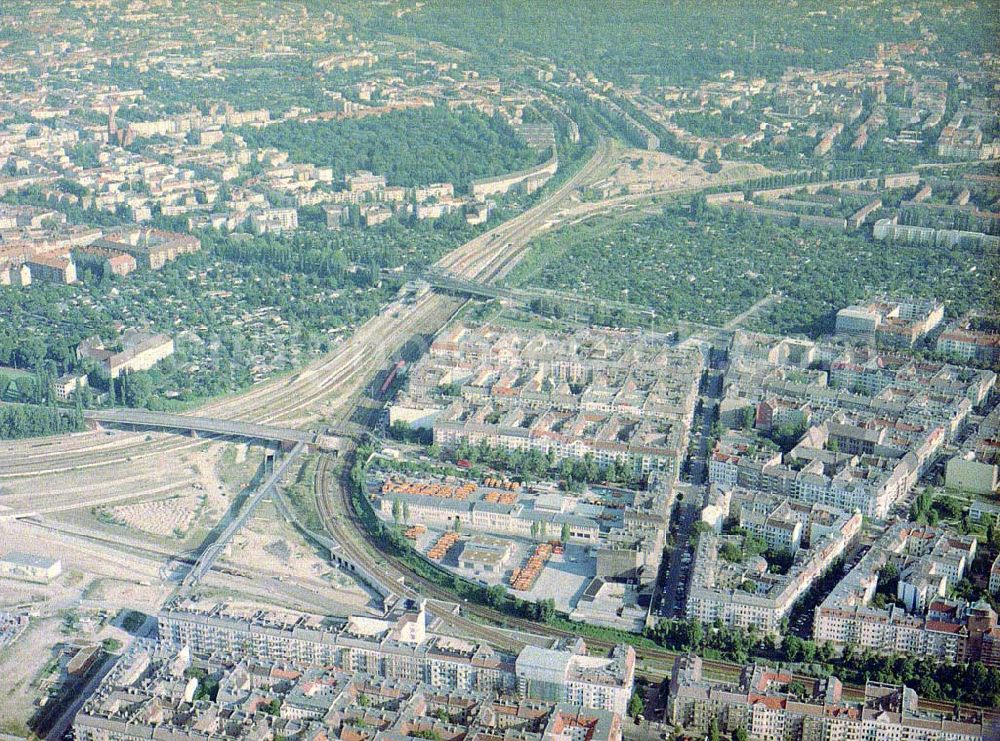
(639, 171)
(21, 665)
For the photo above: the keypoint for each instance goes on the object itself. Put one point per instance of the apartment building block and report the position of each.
(140, 351)
(148, 695)
(397, 646)
(872, 372)
(67, 385)
(891, 322)
(552, 675)
(928, 623)
(746, 593)
(766, 705)
(622, 397)
(151, 248)
(962, 341)
(52, 268)
(274, 220)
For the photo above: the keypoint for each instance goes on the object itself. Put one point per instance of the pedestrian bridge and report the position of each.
(211, 554)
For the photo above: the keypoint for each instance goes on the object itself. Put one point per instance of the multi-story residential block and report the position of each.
(15, 275)
(52, 268)
(767, 704)
(959, 142)
(878, 423)
(140, 351)
(312, 703)
(569, 676)
(910, 405)
(744, 592)
(872, 372)
(195, 121)
(646, 447)
(526, 181)
(541, 136)
(363, 181)
(64, 387)
(901, 180)
(892, 231)
(438, 191)
(872, 473)
(151, 248)
(337, 216)
(974, 471)
(375, 214)
(716, 506)
(784, 524)
(396, 646)
(928, 561)
(620, 397)
(739, 460)
(962, 341)
(274, 220)
(890, 322)
(109, 262)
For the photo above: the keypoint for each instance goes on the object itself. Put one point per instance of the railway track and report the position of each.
(491, 256)
(339, 374)
(494, 625)
(394, 576)
(488, 258)
(478, 259)
(295, 397)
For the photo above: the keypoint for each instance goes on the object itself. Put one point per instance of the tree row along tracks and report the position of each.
(337, 375)
(336, 512)
(487, 258)
(379, 337)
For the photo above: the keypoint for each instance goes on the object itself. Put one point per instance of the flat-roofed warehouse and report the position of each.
(29, 567)
(483, 553)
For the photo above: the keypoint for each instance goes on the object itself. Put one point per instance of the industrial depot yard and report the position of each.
(104, 468)
(563, 578)
(594, 553)
(159, 522)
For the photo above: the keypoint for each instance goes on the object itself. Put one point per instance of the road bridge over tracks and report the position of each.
(137, 418)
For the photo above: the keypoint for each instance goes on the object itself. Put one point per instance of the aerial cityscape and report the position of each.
(507, 371)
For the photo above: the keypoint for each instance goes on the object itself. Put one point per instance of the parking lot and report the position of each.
(678, 567)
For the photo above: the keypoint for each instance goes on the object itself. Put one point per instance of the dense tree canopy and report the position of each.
(712, 269)
(273, 300)
(974, 682)
(29, 420)
(681, 41)
(415, 147)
